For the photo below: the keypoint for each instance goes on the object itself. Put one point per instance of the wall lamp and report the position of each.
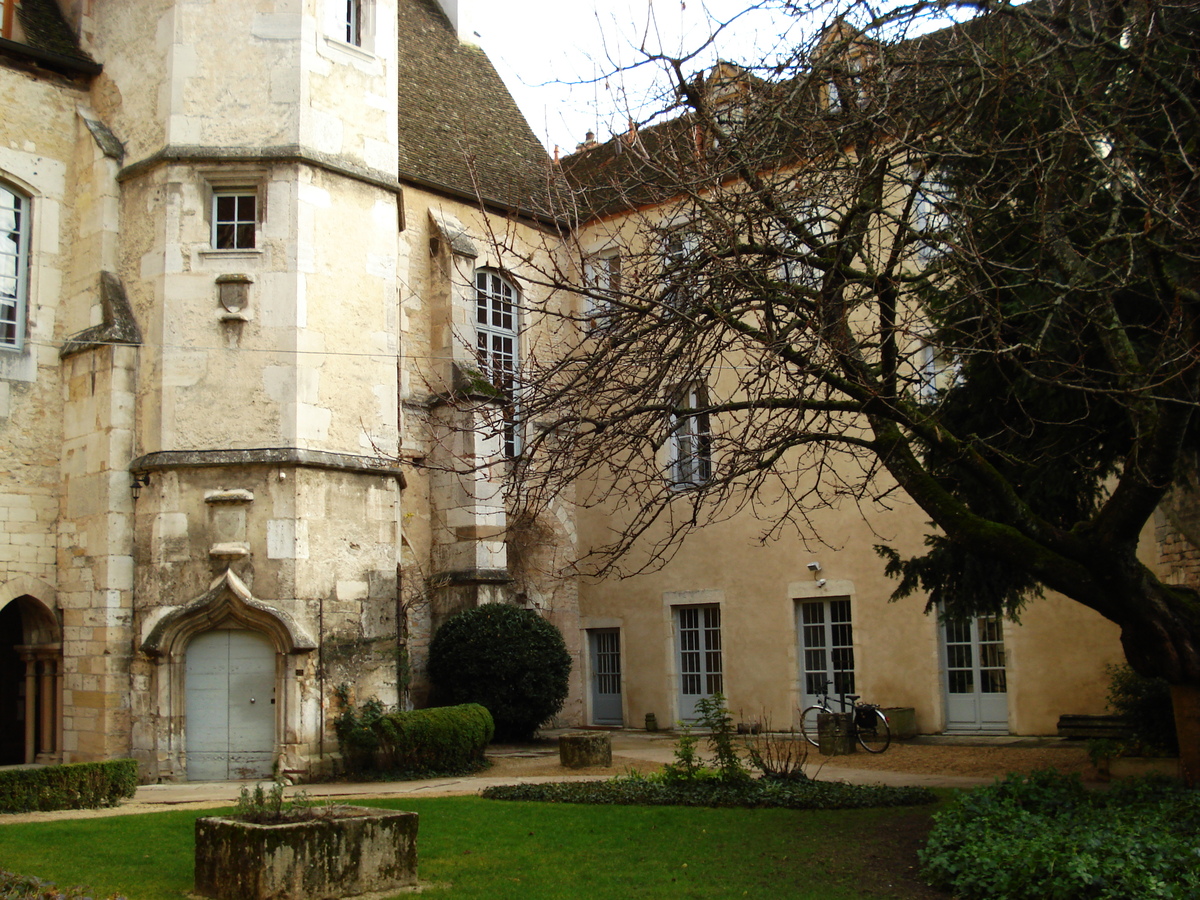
(139, 482)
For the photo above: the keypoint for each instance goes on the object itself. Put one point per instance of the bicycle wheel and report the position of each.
(876, 736)
(808, 724)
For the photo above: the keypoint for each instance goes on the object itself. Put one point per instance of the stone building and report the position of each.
(265, 274)
(242, 244)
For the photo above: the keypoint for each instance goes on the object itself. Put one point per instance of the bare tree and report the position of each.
(956, 262)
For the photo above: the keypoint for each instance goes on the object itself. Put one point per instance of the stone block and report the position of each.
(583, 749)
(354, 851)
(834, 736)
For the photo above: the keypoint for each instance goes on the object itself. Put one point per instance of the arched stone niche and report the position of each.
(228, 603)
(31, 669)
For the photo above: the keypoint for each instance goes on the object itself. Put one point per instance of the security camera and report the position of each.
(820, 582)
(814, 567)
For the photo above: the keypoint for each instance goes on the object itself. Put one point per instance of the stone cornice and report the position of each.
(285, 153)
(297, 457)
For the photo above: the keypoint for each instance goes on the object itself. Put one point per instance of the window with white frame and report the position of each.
(691, 440)
(14, 266)
(352, 24)
(826, 647)
(797, 258)
(603, 279)
(234, 219)
(496, 347)
(937, 370)
(931, 219)
(679, 255)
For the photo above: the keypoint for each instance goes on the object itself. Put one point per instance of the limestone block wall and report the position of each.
(457, 528)
(314, 549)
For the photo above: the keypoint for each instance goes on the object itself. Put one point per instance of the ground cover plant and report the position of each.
(481, 850)
(22, 887)
(1044, 835)
(723, 780)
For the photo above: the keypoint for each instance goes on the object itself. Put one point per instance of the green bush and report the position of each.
(1043, 835)
(510, 660)
(448, 740)
(633, 790)
(70, 786)
(21, 887)
(1144, 703)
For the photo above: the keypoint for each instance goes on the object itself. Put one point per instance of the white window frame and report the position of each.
(826, 647)
(930, 218)
(498, 344)
(353, 22)
(14, 266)
(603, 279)
(238, 221)
(678, 244)
(691, 440)
(819, 222)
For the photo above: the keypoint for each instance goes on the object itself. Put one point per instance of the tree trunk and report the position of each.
(1185, 698)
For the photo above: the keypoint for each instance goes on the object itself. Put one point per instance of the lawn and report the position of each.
(533, 851)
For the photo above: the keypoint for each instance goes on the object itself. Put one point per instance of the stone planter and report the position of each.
(581, 750)
(902, 720)
(344, 852)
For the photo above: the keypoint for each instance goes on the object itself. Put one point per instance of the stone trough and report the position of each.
(343, 852)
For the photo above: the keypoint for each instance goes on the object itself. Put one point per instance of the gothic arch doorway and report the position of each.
(230, 690)
(30, 682)
(226, 684)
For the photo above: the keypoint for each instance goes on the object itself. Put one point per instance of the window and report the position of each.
(691, 440)
(826, 647)
(936, 371)
(680, 249)
(797, 266)
(353, 23)
(14, 266)
(234, 219)
(931, 221)
(496, 343)
(603, 278)
(701, 668)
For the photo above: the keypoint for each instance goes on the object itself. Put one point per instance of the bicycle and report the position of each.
(869, 726)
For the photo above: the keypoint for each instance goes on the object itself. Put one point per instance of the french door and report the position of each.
(976, 682)
(698, 648)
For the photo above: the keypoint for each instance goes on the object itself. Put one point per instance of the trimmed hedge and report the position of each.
(509, 659)
(23, 887)
(446, 740)
(751, 794)
(70, 786)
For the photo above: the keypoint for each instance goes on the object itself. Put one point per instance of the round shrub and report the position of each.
(510, 660)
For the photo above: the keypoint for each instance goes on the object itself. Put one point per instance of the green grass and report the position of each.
(532, 851)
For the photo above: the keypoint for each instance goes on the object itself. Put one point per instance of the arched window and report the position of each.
(496, 328)
(14, 266)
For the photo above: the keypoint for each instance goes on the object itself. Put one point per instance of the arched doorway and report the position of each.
(30, 682)
(229, 683)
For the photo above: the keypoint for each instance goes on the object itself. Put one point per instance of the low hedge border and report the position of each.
(752, 794)
(24, 887)
(70, 786)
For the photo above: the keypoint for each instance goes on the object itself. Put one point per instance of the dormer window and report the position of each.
(10, 23)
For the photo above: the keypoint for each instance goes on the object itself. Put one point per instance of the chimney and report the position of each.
(459, 14)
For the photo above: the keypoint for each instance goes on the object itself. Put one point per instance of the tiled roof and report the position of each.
(460, 129)
(48, 37)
